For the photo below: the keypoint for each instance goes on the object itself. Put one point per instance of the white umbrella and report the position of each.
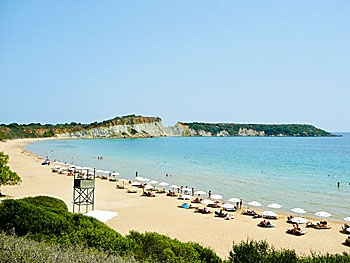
(216, 197)
(234, 200)
(139, 178)
(299, 220)
(174, 186)
(123, 180)
(56, 167)
(298, 210)
(78, 167)
(86, 168)
(269, 213)
(200, 193)
(185, 197)
(115, 174)
(149, 186)
(254, 203)
(106, 172)
(227, 206)
(186, 189)
(153, 182)
(207, 202)
(143, 179)
(99, 171)
(163, 184)
(347, 219)
(274, 206)
(72, 166)
(323, 214)
(136, 184)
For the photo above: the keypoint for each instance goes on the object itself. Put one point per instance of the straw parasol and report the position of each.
(274, 206)
(218, 197)
(233, 200)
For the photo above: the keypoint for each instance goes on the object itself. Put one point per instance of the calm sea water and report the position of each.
(293, 172)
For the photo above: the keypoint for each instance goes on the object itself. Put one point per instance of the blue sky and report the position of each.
(211, 61)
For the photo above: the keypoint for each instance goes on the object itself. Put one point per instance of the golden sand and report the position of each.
(161, 214)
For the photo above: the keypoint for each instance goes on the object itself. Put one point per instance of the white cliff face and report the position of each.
(155, 129)
(250, 132)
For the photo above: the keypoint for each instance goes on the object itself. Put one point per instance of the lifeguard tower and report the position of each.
(84, 189)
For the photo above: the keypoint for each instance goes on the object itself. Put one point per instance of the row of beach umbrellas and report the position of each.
(151, 183)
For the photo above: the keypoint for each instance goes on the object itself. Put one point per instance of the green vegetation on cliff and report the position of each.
(266, 129)
(37, 130)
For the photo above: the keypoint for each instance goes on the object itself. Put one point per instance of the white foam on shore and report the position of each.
(102, 216)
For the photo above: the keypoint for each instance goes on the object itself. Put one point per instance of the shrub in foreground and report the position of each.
(261, 252)
(14, 249)
(47, 219)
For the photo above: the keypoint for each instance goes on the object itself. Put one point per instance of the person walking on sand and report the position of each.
(209, 194)
(192, 191)
(240, 204)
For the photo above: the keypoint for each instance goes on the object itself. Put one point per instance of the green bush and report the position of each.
(47, 219)
(159, 248)
(261, 252)
(14, 249)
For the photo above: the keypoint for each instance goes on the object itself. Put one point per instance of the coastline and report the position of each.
(161, 214)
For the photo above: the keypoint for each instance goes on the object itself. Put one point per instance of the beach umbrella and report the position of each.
(99, 171)
(115, 174)
(269, 213)
(78, 167)
(56, 167)
(275, 206)
(141, 179)
(323, 214)
(200, 193)
(153, 182)
(106, 172)
(136, 184)
(185, 197)
(234, 200)
(174, 186)
(149, 186)
(85, 168)
(123, 180)
(216, 197)
(298, 210)
(186, 189)
(254, 203)
(299, 220)
(163, 184)
(227, 206)
(72, 166)
(347, 219)
(207, 202)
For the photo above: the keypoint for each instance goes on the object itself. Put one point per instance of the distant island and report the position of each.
(133, 126)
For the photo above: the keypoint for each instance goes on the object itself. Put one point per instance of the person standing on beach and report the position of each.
(240, 204)
(136, 173)
(209, 194)
(181, 188)
(192, 191)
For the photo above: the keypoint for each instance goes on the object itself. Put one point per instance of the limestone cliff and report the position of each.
(141, 127)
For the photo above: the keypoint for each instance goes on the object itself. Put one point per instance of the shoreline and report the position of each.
(161, 214)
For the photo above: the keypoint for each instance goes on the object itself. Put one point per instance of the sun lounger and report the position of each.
(265, 223)
(296, 232)
(322, 225)
(257, 216)
(220, 214)
(132, 191)
(249, 212)
(229, 217)
(120, 186)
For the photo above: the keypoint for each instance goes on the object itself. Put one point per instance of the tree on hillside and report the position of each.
(7, 177)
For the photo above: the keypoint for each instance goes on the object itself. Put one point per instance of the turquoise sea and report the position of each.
(290, 171)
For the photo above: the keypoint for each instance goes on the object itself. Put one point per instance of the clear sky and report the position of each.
(211, 61)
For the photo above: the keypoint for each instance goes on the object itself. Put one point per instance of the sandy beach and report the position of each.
(161, 214)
